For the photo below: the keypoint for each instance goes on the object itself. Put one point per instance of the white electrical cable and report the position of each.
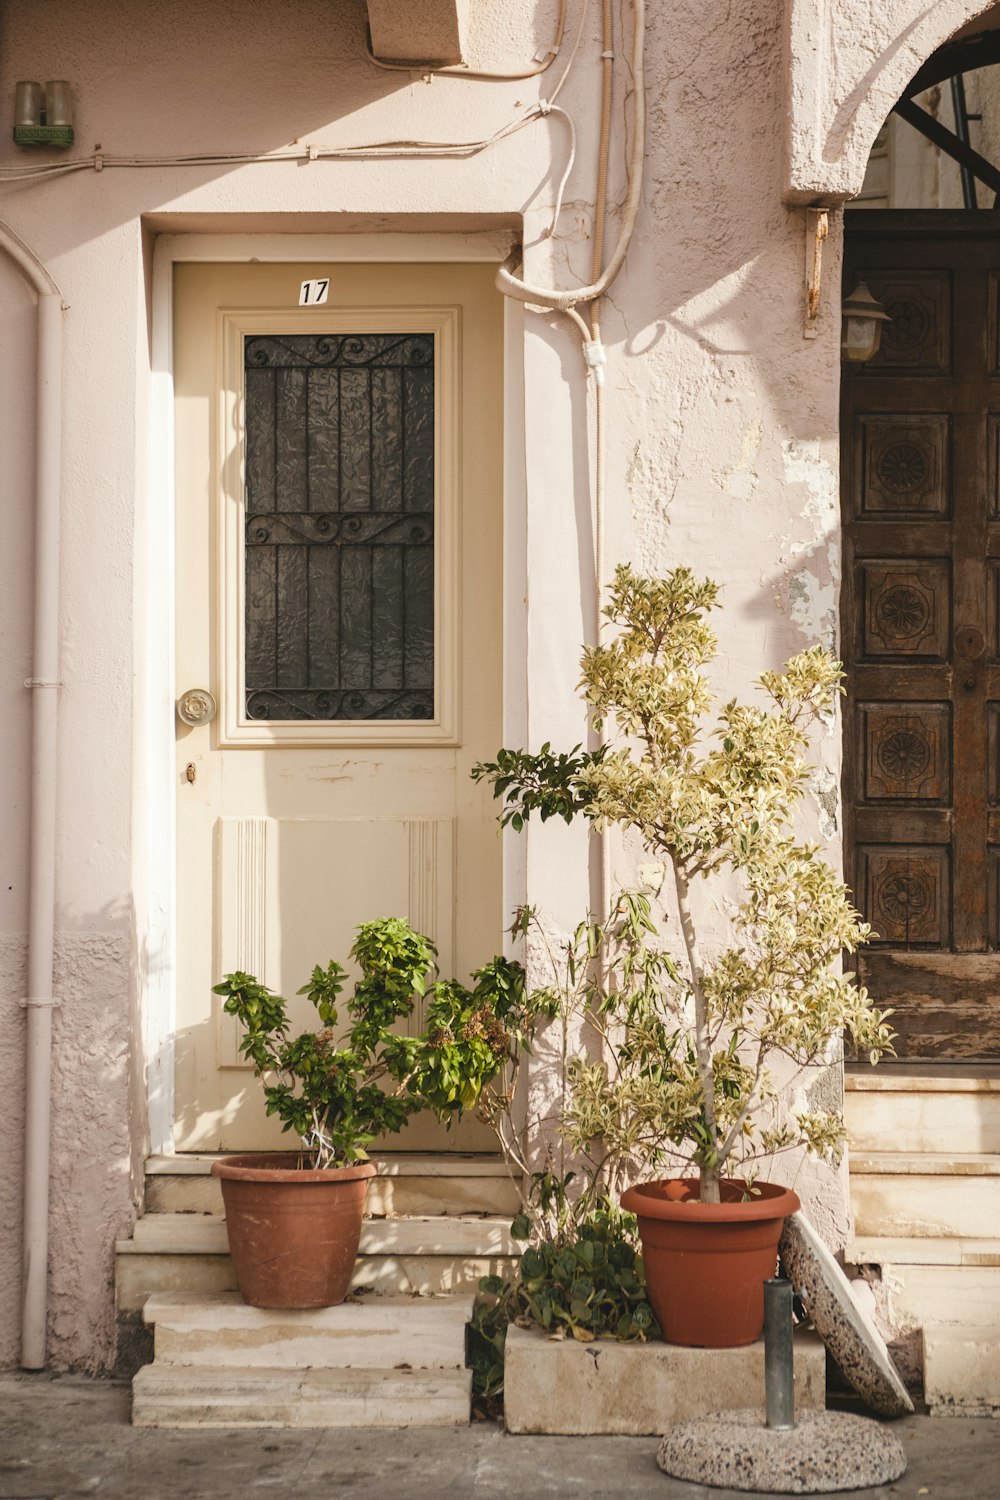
(514, 286)
(377, 150)
(570, 160)
(584, 4)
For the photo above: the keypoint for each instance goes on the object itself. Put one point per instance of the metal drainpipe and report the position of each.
(44, 711)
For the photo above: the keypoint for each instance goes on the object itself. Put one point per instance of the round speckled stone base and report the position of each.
(826, 1450)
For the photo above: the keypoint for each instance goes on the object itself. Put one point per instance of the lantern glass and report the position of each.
(860, 339)
(58, 103)
(27, 103)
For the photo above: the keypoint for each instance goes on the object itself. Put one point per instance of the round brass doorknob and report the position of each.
(196, 706)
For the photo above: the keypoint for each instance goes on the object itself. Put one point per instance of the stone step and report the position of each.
(899, 1251)
(425, 1255)
(927, 1195)
(384, 1333)
(561, 1386)
(962, 1370)
(201, 1234)
(422, 1184)
(931, 1113)
(927, 1077)
(207, 1396)
(921, 1293)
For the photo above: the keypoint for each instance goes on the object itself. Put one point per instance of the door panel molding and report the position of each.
(417, 856)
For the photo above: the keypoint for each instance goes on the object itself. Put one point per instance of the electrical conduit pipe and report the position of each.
(44, 714)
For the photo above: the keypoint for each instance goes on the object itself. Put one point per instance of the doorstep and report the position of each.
(367, 1362)
(605, 1388)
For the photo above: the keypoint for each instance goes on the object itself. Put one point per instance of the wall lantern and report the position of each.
(862, 326)
(43, 117)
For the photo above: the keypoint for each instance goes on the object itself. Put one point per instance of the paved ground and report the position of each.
(67, 1436)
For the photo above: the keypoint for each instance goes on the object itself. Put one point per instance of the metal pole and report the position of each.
(961, 113)
(778, 1371)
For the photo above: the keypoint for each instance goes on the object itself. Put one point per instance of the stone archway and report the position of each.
(845, 72)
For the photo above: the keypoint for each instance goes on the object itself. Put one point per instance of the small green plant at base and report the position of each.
(586, 1283)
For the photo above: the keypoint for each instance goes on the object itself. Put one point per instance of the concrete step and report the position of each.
(422, 1184)
(924, 1194)
(921, 1296)
(383, 1333)
(207, 1396)
(924, 1109)
(420, 1255)
(962, 1370)
(921, 1251)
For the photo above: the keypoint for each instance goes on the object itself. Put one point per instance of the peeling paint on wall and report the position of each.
(804, 464)
(813, 607)
(826, 791)
(742, 479)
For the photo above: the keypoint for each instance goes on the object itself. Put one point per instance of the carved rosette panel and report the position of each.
(917, 339)
(906, 895)
(906, 609)
(904, 466)
(906, 751)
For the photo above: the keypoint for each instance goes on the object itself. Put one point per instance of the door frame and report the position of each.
(155, 688)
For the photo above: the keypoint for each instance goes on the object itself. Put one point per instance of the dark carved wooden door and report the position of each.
(921, 626)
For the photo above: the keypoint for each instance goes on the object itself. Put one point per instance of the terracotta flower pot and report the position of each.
(293, 1232)
(706, 1263)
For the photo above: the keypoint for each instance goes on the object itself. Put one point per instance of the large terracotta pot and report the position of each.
(293, 1231)
(706, 1263)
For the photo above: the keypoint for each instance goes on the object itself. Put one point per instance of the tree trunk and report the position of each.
(703, 1048)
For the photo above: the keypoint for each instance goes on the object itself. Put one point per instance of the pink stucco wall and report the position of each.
(722, 428)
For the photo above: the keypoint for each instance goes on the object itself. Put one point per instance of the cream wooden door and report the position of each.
(339, 596)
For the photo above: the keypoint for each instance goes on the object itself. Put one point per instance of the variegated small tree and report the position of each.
(692, 1067)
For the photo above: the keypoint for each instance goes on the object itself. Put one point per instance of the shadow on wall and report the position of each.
(90, 1186)
(184, 80)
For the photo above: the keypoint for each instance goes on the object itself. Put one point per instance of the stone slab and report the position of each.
(389, 1163)
(180, 1396)
(138, 1276)
(370, 1333)
(924, 1164)
(907, 1204)
(926, 1078)
(845, 1328)
(825, 1452)
(962, 1371)
(919, 1250)
(943, 1294)
(415, 1185)
(205, 1234)
(561, 1386)
(923, 1122)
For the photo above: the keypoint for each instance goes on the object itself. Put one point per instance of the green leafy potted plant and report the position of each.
(689, 1062)
(294, 1227)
